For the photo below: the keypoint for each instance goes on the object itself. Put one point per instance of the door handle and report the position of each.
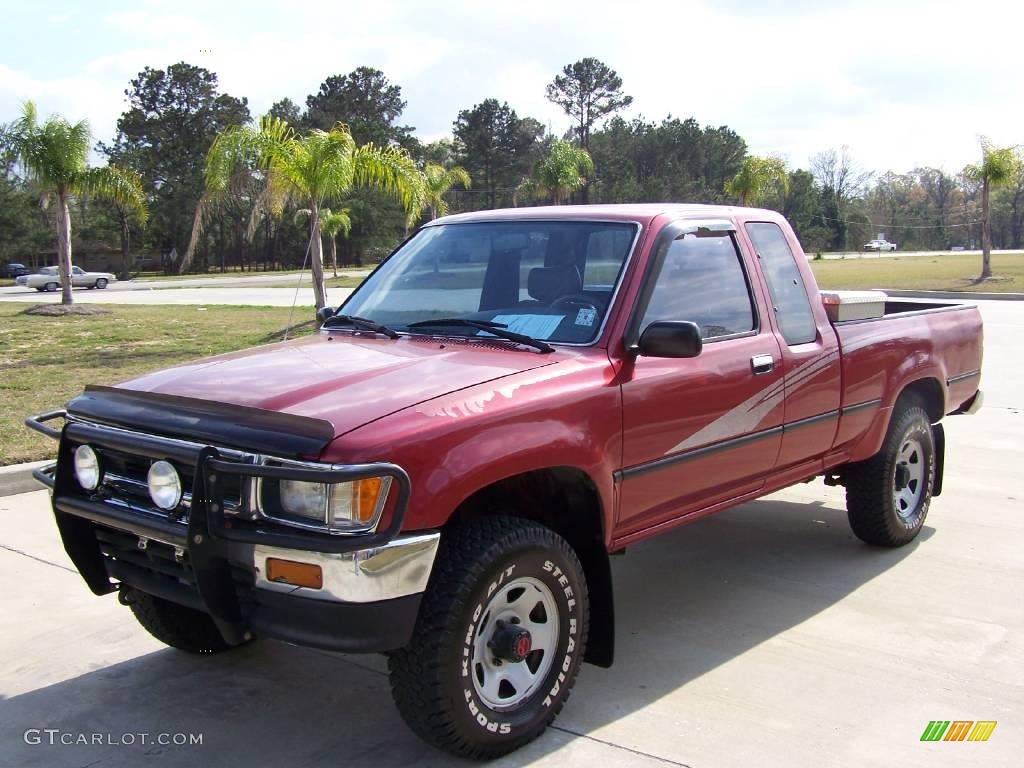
(762, 364)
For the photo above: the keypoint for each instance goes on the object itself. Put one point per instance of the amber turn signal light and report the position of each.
(296, 574)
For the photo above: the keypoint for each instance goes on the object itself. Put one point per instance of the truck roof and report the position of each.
(641, 212)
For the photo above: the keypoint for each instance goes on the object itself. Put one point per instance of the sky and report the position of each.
(904, 83)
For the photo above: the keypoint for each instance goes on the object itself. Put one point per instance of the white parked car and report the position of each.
(48, 279)
(879, 245)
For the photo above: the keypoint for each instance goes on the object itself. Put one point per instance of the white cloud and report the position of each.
(902, 83)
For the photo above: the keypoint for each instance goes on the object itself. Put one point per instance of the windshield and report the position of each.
(550, 280)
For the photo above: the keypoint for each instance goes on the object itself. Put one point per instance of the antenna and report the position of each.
(298, 285)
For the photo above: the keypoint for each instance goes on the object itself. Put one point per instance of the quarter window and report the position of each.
(786, 286)
(702, 280)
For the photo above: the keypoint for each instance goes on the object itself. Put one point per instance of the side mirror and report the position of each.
(324, 314)
(671, 338)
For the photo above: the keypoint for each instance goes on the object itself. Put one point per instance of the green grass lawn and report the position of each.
(44, 361)
(923, 273)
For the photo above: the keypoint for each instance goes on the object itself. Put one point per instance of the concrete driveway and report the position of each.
(763, 636)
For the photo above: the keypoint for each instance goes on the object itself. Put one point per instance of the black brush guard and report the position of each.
(209, 535)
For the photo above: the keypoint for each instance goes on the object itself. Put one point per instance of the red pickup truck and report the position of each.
(442, 471)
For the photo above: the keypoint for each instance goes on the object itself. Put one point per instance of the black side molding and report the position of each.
(230, 426)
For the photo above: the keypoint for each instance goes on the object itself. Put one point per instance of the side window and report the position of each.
(786, 286)
(702, 280)
(76, 270)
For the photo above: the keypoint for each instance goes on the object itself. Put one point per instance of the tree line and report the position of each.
(495, 157)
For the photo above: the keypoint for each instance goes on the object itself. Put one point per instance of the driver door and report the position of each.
(701, 430)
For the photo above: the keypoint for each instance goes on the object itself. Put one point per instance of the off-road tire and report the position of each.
(176, 625)
(871, 485)
(432, 678)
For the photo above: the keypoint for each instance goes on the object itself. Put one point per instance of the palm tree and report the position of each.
(756, 176)
(562, 171)
(54, 157)
(437, 181)
(309, 170)
(331, 223)
(998, 164)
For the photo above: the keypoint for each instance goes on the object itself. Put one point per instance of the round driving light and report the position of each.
(164, 485)
(87, 467)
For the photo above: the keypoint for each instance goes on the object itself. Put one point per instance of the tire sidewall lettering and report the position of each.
(546, 568)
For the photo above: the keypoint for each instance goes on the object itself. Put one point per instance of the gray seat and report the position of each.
(545, 284)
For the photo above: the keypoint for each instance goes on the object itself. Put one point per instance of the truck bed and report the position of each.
(912, 340)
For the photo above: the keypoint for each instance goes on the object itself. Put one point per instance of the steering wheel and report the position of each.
(576, 300)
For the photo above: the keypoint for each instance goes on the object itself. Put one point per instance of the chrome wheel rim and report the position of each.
(525, 603)
(909, 478)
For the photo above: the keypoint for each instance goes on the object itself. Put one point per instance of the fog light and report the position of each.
(87, 467)
(164, 485)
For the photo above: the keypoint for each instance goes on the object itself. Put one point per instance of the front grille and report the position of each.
(125, 482)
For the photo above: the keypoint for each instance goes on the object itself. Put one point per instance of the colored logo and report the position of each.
(958, 730)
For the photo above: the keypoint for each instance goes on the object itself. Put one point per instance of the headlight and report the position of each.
(164, 485)
(340, 508)
(87, 467)
(308, 500)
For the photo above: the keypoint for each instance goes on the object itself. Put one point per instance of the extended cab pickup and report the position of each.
(442, 470)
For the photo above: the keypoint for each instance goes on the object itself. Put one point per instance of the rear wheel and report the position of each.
(499, 640)
(887, 496)
(175, 625)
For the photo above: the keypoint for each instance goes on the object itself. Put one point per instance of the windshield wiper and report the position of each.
(362, 324)
(496, 329)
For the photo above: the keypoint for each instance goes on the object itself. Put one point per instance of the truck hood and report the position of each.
(346, 380)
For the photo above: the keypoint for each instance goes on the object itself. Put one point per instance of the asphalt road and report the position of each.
(252, 290)
(898, 253)
(248, 290)
(763, 636)
(238, 295)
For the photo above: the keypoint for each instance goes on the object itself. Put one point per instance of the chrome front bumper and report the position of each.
(396, 569)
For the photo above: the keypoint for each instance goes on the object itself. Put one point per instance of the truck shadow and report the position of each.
(686, 603)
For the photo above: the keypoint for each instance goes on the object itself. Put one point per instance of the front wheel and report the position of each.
(499, 640)
(101, 283)
(887, 496)
(51, 287)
